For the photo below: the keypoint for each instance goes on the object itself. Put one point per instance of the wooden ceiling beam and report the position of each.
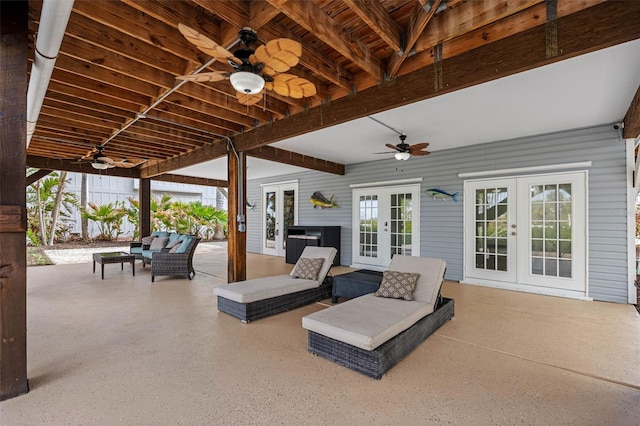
(200, 118)
(206, 153)
(190, 180)
(374, 14)
(261, 13)
(469, 16)
(312, 59)
(294, 159)
(142, 25)
(78, 167)
(104, 78)
(417, 23)
(311, 17)
(37, 175)
(96, 87)
(223, 101)
(492, 32)
(632, 118)
(56, 87)
(131, 68)
(120, 43)
(591, 29)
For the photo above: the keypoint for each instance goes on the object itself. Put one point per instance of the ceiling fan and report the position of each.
(404, 151)
(102, 162)
(254, 70)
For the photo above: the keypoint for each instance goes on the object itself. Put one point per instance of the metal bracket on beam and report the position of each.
(552, 28)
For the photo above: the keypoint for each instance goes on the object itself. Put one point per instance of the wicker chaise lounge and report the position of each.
(261, 297)
(370, 334)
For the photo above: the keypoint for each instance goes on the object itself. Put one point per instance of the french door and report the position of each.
(280, 211)
(386, 221)
(527, 233)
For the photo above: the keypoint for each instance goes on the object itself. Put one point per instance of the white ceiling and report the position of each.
(588, 90)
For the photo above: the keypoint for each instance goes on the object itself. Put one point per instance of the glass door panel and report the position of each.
(387, 221)
(490, 230)
(270, 220)
(540, 244)
(280, 212)
(555, 215)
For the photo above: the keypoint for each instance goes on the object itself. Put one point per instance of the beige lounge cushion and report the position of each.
(308, 268)
(367, 321)
(328, 253)
(263, 288)
(431, 272)
(397, 285)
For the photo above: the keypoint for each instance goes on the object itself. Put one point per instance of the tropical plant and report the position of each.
(133, 216)
(108, 217)
(49, 208)
(208, 218)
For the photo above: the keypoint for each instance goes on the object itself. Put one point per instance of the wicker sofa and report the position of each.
(167, 253)
(370, 334)
(261, 297)
(180, 262)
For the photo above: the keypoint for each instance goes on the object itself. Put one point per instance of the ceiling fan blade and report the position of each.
(420, 153)
(292, 86)
(395, 148)
(278, 55)
(204, 77)
(106, 160)
(385, 152)
(246, 99)
(207, 45)
(124, 164)
(418, 146)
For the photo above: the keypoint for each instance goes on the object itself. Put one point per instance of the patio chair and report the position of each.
(175, 261)
(261, 297)
(372, 333)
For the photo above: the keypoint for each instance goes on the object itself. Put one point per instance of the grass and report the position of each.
(36, 257)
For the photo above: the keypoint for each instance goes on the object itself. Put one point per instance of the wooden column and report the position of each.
(13, 219)
(144, 198)
(237, 240)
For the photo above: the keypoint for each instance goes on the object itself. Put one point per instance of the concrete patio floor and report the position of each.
(125, 351)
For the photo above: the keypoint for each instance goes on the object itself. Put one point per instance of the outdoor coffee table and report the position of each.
(114, 257)
(355, 284)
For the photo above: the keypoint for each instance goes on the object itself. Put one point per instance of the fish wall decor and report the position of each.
(439, 194)
(251, 206)
(319, 200)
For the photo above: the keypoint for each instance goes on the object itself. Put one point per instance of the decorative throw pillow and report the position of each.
(172, 244)
(308, 268)
(158, 243)
(175, 248)
(397, 285)
(148, 240)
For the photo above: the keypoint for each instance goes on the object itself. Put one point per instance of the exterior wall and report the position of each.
(442, 223)
(109, 189)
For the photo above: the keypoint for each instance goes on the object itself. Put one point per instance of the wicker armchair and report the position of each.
(165, 263)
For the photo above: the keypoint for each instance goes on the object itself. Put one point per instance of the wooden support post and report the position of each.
(144, 199)
(14, 18)
(237, 239)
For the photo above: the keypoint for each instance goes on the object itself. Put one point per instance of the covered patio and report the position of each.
(126, 351)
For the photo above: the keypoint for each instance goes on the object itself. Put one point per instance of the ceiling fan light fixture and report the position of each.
(99, 165)
(403, 156)
(247, 82)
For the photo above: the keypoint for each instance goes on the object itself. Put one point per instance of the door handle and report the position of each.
(277, 232)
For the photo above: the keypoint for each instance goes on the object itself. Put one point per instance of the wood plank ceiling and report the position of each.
(114, 82)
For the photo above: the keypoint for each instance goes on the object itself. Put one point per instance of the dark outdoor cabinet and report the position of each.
(298, 237)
